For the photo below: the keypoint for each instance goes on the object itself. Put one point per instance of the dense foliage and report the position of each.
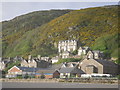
(10, 65)
(68, 60)
(39, 32)
(109, 44)
(17, 33)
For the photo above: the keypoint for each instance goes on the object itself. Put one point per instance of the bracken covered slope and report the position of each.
(85, 25)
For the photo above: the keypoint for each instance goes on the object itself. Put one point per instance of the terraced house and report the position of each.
(40, 62)
(36, 63)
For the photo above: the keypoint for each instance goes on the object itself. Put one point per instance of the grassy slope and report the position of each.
(18, 27)
(84, 25)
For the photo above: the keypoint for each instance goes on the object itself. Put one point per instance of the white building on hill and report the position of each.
(67, 45)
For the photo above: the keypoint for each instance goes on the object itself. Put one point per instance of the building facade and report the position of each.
(55, 59)
(83, 51)
(36, 63)
(99, 66)
(65, 54)
(70, 69)
(2, 65)
(17, 70)
(48, 73)
(95, 55)
(67, 45)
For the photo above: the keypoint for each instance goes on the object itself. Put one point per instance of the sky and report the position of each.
(12, 9)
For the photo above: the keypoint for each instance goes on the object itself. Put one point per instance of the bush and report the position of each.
(117, 61)
(68, 60)
(3, 74)
(19, 77)
(10, 65)
(118, 77)
(42, 76)
(108, 44)
(75, 52)
(26, 76)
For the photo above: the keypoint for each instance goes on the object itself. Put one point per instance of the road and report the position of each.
(55, 85)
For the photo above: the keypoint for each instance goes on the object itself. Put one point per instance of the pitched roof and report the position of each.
(96, 51)
(85, 48)
(28, 69)
(106, 62)
(66, 52)
(67, 40)
(66, 70)
(56, 66)
(45, 70)
(70, 70)
(68, 64)
(49, 69)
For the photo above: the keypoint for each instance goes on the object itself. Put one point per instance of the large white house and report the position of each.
(67, 45)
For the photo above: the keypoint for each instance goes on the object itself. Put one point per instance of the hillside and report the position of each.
(108, 44)
(14, 29)
(85, 25)
(30, 21)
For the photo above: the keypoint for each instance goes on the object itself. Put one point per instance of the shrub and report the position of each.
(75, 52)
(68, 60)
(42, 76)
(19, 77)
(26, 76)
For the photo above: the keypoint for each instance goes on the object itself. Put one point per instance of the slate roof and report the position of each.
(106, 62)
(56, 66)
(85, 48)
(70, 70)
(68, 64)
(28, 69)
(67, 40)
(46, 71)
(66, 52)
(66, 70)
(51, 69)
(97, 51)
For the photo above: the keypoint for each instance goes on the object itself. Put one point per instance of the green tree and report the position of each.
(75, 52)
(42, 76)
(69, 60)
(26, 76)
(10, 65)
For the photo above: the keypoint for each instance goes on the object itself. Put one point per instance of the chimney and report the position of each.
(39, 57)
(29, 57)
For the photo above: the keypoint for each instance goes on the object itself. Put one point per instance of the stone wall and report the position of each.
(87, 62)
(79, 80)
